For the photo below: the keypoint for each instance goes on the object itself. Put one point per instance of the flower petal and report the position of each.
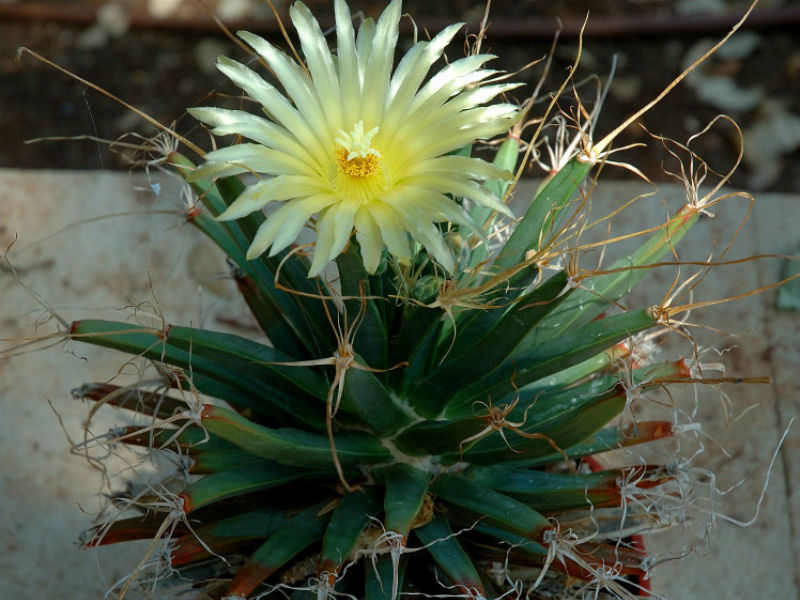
(378, 69)
(369, 239)
(248, 158)
(333, 231)
(297, 84)
(347, 63)
(458, 165)
(451, 79)
(430, 237)
(414, 65)
(392, 228)
(226, 122)
(458, 187)
(415, 123)
(319, 61)
(275, 103)
(410, 73)
(274, 189)
(284, 225)
(479, 123)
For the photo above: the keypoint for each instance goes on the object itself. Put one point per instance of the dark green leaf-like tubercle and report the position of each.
(485, 502)
(225, 535)
(406, 487)
(236, 482)
(536, 226)
(354, 513)
(450, 556)
(511, 540)
(506, 158)
(561, 352)
(248, 355)
(545, 491)
(496, 345)
(609, 438)
(219, 365)
(383, 578)
(442, 437)
(598, 293)
(294, 447)
(365, 395)
(304, 335)
(370, 335)
(563, 430)
(291, 538)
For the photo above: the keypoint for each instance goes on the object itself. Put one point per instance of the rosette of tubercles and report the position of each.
(421, 419)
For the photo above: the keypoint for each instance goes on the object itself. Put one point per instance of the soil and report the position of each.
(163, 69)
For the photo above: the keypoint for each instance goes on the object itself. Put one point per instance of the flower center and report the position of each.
(355, 155)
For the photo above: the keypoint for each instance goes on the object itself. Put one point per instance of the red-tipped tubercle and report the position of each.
(187, 503)
(165, 333)
(192, 213)
(647, 431)
(248, 578)
(682, 369)
(328, 570)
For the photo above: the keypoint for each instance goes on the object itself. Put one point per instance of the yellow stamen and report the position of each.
(358, 166)
(355, 155)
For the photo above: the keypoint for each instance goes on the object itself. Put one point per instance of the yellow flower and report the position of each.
(359, 144)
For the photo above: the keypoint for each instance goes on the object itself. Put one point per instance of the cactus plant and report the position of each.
(432, 382)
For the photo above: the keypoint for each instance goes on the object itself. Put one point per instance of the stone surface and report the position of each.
(87, 244)
(142, 260)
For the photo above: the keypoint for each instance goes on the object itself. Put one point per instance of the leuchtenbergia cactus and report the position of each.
(435, 379)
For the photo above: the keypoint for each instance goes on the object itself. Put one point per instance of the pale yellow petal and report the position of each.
(462, 187)
(436, 206)
(378, 69)
(429, 236)
(458, 165)
(457, 107)
(208, 171)
(392, 228)
(494, 122)
(366, 33)
(333, 230)
(275, 104)
(249, 158)
(369, 239)
(405, 121)
(452, 115)
(451, 79)
(320, 63)
(480, 95)
(274, 189)
(347, 64)
(409, 76)
(296, 83)
(239, 122)
(414, 66)
(284, 225)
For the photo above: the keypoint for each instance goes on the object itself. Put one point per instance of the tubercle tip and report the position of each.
(186, 501)
(192, 213)
(683, 369)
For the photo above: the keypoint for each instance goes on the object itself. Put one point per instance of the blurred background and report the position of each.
(159, 56)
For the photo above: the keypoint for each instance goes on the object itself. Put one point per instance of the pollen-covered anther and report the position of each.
(357, 166)
(355, 155)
